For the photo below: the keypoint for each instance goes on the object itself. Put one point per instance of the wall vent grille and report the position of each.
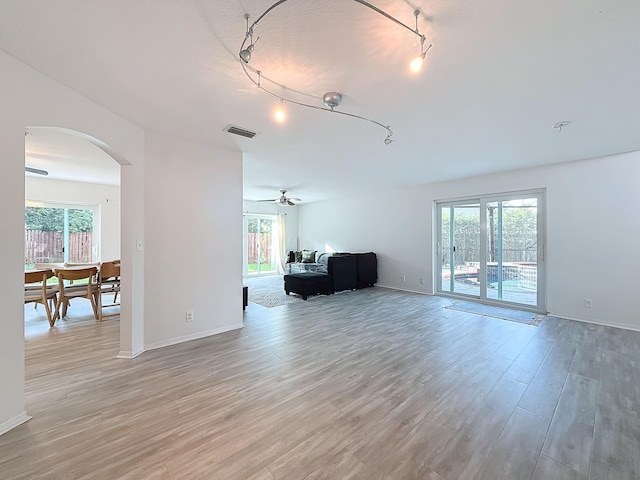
(243, 132)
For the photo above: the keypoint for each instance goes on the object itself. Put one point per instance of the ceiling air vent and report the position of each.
(240, 131)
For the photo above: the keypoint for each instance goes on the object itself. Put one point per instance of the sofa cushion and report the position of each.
(308, 256)
(297, 256)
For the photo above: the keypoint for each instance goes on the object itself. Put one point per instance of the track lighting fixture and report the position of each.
(245, 53)
(416, 63)
(331, 100)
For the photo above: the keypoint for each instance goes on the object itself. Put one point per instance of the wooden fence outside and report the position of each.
(261, 242)
(48, 247)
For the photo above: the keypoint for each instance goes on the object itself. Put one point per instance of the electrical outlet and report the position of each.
(189, 317)
(422, 281)
(588, 303)
(404, 278)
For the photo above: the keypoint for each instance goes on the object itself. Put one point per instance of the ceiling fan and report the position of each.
(283, 201)
(37, 171)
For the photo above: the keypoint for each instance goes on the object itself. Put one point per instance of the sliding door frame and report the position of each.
(482, 200)
(96, 221)
(274, 236)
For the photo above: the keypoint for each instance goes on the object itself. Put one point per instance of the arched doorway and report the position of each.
(75, 172)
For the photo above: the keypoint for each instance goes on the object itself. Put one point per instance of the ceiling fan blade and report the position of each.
(37, 171)
(283, 201)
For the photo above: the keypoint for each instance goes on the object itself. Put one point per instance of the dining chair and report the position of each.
(69, 290)
(41, 267)
(37, 291)
(108, 283)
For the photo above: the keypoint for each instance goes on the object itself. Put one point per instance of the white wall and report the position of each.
(592, 233)
(106, 197)
(28, 98)
(193, 227)
(174, 195)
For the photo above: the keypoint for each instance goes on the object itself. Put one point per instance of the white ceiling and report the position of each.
(65, 156)
(499, 75)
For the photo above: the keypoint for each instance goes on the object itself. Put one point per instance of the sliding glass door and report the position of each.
(491, 249)
(57, 233)
(460, 248)
(512, 250)
(260, 245)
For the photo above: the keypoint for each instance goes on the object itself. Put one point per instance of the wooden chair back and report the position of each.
(37, 276)
(110, 269)
(69, 291)
(109, 283)
(37, 291)
(77, 274)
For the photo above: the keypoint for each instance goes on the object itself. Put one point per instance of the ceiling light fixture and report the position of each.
(560, 125)
(36, 171)
(331, 99)
(416, 63)
(279, 113)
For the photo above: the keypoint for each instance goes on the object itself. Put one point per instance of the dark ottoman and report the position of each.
(308, 283)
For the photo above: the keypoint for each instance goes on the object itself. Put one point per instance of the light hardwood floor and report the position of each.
(372, 384)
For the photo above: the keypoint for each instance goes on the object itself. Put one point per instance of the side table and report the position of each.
(245, 296)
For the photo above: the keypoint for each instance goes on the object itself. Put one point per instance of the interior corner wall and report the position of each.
(592, 232)
(106, 197)
(291, 219)
(29, 98)
(193, 240)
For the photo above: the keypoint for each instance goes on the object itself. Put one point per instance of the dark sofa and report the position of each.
(344, 271)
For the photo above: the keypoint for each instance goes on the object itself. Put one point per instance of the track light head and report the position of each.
(245, 55)
(416, 63)
(280, 115)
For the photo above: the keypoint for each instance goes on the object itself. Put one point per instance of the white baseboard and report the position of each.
(595, 322)
(128, 355)
(14, 422)
(194, 336)
(403, 289)
(634, 328)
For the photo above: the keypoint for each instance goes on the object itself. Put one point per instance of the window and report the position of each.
(56, 233)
